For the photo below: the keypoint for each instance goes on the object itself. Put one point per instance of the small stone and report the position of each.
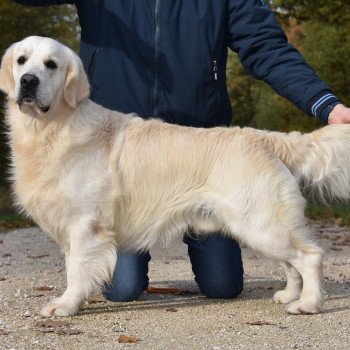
(27, 313)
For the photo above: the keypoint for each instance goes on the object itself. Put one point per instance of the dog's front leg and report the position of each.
(90, 263)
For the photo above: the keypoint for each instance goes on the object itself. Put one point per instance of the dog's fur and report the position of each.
(95, 180)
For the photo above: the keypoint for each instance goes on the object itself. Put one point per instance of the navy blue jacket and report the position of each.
(167, 59)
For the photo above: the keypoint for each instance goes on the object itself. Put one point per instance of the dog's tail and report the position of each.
(320, 161)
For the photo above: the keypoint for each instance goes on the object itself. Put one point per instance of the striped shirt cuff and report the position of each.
(320, 102)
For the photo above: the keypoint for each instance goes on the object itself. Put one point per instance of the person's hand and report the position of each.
(339, 115)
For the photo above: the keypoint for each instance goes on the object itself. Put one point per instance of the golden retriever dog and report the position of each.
(97, 180)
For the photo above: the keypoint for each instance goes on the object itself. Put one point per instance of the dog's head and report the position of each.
(38, 73)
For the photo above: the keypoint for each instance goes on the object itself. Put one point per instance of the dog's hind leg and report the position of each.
(303, 259)
(293, 287)
(275, 226)
(90, 263)
(309, 265)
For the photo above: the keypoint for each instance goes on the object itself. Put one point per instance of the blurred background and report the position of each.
(320, 29)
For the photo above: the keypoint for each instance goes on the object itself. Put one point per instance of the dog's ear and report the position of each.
(7, 82)
(76, 87)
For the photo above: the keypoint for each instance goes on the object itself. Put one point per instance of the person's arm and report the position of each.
(43, 2)
(264, 51)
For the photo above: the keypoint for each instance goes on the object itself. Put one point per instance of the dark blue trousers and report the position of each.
(216, 264)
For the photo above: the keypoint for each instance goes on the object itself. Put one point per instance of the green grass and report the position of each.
(9, 219)
(341, 212)
(5, 201)
(12, 221)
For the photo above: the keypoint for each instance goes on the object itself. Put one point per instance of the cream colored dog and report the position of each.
(95, 179)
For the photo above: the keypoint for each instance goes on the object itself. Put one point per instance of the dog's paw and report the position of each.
(58, 308)
(285, 297)
(302, 307)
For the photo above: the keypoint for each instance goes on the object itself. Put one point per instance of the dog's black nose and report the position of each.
(29, 81)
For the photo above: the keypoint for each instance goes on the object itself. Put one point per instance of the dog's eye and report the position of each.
(50, 64)
(21, 60)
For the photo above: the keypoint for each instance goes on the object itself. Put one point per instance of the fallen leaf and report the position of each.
(171, 309)
(127, 339)
(187, 292)
(273, 287)
(47, 330)
(346, 241)
(37, 256)
(43, 289)
(159, 290)
(69, 331)
(39, 295)
(260, 323)
(96, 301)
(338, 221)
(2, 279)
(60, 327)
(335, 248)
(335, 238)
(52, 323)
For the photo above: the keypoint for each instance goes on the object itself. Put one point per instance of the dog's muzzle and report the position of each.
(28, 92)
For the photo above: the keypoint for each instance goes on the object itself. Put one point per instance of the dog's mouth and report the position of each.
(30, 101)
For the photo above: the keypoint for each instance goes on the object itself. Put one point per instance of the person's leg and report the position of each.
(130, 277)
(217, 265)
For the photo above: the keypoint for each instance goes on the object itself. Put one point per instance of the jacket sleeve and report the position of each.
(264, 51)
(43, 2)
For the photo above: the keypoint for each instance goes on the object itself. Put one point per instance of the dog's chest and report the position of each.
(33, 175)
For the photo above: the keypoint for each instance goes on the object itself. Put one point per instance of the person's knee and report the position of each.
(217, 266)
(222, 289)
(128, 292)
(130, 277)
(222, 292)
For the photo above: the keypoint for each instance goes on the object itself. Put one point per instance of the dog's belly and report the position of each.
(141, 234)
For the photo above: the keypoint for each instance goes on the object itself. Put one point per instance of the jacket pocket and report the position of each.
(215, 72)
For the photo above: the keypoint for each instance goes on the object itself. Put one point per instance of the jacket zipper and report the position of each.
(216, 81)
(156, 58)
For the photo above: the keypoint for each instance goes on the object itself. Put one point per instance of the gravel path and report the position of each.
(32, 272)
